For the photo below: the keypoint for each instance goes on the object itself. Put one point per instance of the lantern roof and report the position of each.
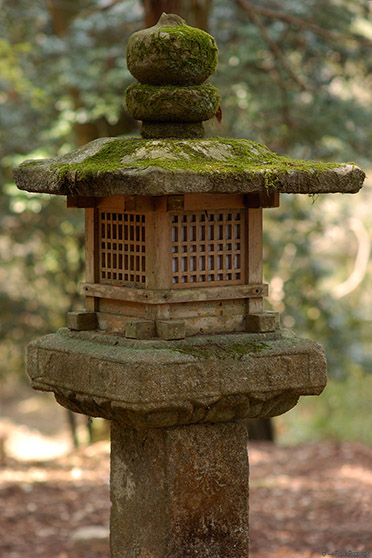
(172, 62)
(130, 166)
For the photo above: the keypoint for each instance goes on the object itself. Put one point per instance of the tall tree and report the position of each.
(62, 16)
(195, 12)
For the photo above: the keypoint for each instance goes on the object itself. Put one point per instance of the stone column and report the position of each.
(179, 492)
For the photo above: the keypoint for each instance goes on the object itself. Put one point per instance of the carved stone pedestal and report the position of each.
(179, 491)
(179, 467)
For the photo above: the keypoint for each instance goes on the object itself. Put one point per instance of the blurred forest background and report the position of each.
(296, 76)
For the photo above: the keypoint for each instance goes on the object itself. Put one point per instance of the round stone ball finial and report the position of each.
(171, 53)
(172, 61)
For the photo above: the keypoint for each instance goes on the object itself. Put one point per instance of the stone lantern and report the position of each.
(174, 346)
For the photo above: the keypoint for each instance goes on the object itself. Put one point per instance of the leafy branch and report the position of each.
(300, 22)
(273, 46)
(97, 9)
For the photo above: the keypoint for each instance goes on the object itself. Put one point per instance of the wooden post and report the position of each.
(159, 256)
(159, 252)
(91, 255)
(254, 256)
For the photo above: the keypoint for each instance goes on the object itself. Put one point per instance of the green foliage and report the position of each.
(342, 412)
(306, 266)
(308, 95)
(42, 264)
(54, 87)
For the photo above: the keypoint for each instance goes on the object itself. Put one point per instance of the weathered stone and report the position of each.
(81, 320)
(163, 383)
(130, 166)
(186, 487)
(171, 52)
(262, 322)
(140, 329)
(172, 104)
(176, 130)
(171, 329)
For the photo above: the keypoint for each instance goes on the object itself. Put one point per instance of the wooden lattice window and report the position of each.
(122, 248)
(208, 247)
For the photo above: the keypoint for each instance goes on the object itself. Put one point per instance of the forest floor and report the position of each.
(306, 501)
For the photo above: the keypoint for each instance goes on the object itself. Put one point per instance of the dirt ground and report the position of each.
(307, 501)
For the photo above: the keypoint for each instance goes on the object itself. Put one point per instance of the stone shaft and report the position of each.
(179, 492)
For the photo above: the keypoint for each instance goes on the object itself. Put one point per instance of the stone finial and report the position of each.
(172, 61)
(171, 53)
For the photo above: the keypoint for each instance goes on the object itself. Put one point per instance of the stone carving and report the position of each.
(171, 61)
(207, 379)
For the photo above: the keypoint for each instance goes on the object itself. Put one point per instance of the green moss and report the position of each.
(183, 130)
(32, 163)
(213, 156)
(234, 351)
(196, 42)
(169, 103)
(178, 55)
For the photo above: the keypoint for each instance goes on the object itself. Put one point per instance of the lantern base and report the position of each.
(159, 383)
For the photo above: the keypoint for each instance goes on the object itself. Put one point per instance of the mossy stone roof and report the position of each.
(129, 166)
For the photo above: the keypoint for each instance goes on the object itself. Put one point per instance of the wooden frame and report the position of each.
(164, 231)
(91, 251)
(122, 247)
(181, 202)
(174, 296)
(208, 247)
(254, 255)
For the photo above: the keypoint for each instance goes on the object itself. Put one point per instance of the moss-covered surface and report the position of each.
(209, 156)
(169, 103)
(32, 163)
(134, 166)
(172, 53)
(175, 130)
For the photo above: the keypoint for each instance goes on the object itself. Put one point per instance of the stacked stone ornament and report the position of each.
(172, 62)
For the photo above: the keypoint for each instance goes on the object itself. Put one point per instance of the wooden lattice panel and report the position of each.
(208, 248)
(122, 248)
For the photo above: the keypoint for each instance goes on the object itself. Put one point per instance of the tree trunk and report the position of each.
(62, 15)
(261, 429)
(195, 12)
